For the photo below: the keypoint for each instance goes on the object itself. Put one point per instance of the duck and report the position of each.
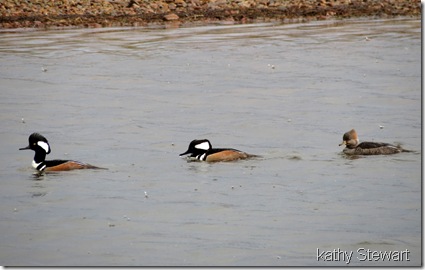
(39, 144)
(354, 147)
(202, 150)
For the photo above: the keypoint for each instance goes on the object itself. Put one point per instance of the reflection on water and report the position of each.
(38, 176)
(38, 189)
(130, 99)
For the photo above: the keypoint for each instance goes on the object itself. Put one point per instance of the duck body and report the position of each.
(202, 150)
(373, 148)
(354, 147)
(57, 165)
(39, 144)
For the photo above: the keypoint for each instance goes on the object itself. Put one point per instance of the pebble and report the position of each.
(171, 17)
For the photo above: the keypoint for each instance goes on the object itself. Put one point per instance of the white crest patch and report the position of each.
(43, 145)
(203, 146)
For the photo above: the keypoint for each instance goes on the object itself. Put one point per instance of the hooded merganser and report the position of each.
(41, 147)
(203, 151)
(354, 147)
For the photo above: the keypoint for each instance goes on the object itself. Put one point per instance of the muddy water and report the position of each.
(132, 99)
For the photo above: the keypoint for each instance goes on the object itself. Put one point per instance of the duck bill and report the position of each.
(25, 148)
(185, 153)
(343, 143)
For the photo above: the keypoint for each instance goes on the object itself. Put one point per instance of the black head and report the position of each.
(37, 142)
(197, 147)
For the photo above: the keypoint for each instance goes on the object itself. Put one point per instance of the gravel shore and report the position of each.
(173, 13)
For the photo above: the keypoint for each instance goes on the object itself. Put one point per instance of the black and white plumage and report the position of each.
(202, 150)
(39, 144)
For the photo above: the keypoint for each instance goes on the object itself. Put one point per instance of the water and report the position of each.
(131, 100)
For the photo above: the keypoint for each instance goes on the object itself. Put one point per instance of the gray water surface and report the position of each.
(131, 100)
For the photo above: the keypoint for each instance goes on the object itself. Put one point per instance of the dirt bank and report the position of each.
(106, 13)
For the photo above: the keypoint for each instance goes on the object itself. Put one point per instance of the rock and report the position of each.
(171, 17)
(180, 3)
(172, 6)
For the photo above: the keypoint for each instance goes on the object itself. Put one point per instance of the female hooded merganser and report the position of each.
(41, 147)
(354, 147)
(203, 151)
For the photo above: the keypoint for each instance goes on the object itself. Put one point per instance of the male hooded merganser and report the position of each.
(203, 151)
(354, 147)
(41, 147)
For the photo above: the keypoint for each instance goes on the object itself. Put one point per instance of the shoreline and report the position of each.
(46, 14)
